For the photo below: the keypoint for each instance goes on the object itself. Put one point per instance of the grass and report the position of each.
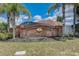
(52, 48)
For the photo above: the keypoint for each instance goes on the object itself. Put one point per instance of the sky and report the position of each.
(38, 11)
(38, 8)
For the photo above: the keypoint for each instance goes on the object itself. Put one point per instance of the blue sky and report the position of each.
(38, 10)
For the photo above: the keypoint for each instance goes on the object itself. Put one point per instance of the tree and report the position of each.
(59, 18)
(75, 6)
(54, 7)
(3, 27)
(12, 10)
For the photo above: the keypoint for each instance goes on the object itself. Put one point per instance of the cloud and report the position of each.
(51, 18)
(25, 17)
(37, 18)
(21, 16)
(55, 17)
(2, 19)
(18, 20)
(60, 11)
(21, 19)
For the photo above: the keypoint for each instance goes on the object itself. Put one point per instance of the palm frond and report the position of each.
(54, 7)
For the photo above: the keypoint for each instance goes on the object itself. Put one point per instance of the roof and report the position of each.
(36, 24)
(45, 23)
(51, 22)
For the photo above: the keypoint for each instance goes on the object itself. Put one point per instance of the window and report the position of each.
(39, 29)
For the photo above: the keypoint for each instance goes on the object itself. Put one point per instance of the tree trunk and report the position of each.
(74, 20)
(13, 31)
(8, 17)
(14, 34)
(13, 22)
(63, 7)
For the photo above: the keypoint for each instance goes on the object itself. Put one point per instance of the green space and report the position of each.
(50, 48)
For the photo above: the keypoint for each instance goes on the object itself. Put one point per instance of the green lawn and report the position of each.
(70, 47)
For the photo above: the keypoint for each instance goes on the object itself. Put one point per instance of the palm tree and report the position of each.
(75, 6)
(63, 9)
(59, 18)
(54, 7)
(13, 10)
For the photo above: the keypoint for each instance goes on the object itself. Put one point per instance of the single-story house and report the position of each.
(44, 28)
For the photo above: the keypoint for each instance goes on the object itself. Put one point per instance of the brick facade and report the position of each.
(38, 30)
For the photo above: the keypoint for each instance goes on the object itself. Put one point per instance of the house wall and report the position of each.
(44, 32)
(35, 33)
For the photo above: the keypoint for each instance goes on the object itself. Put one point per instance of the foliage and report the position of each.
(13, 7)
(13, 10)
(5, 36)
(59, 18)
(77, 27)
(54, 7)
(3, 27)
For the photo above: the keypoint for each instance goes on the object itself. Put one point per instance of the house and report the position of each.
(44, 28)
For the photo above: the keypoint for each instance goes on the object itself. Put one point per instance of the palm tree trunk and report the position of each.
(8, 17)
(74, 20)
(13, 31)
(63, 17)
(13, 20)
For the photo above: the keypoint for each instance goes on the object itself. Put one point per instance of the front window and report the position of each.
(39, 29)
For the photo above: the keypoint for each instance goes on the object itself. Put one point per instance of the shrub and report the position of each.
(70, 37)
(3, 27)
(9, 35)
(5, 36)
(63, 39)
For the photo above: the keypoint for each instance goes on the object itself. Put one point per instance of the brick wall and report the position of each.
(45, 32)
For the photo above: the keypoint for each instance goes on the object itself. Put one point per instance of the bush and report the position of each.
(5, 36)
(70, 37)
